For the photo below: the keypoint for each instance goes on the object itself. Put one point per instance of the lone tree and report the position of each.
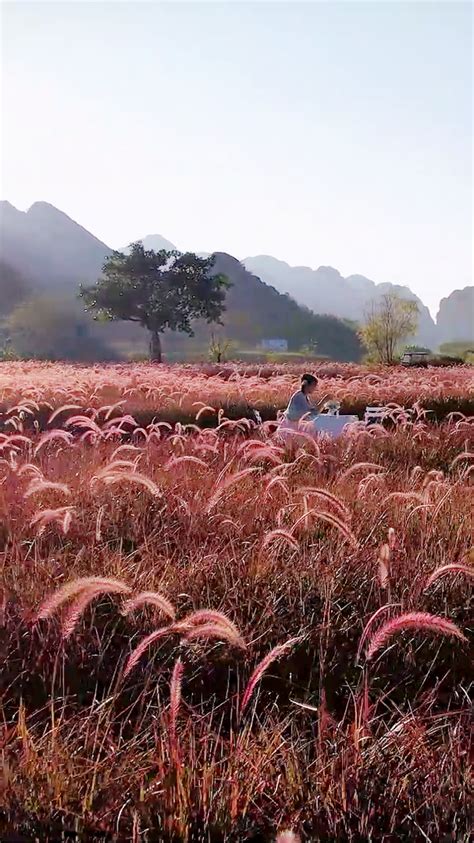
(159, 290)
(389, 321)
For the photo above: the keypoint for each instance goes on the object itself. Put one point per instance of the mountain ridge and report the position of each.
(55, 254)
(325, 290)
(52, 251)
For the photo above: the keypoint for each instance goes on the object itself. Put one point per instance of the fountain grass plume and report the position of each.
(75, 587)
(156, 635)
(416, 621)
(149, 598)
(275, 654)
(447, 570)
(217, 631)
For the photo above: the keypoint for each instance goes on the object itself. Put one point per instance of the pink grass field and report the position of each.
(310, 667)
(142, 387)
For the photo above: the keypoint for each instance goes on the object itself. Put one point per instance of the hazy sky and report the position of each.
(321, 133)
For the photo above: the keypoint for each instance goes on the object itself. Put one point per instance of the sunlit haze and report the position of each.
(321, 133)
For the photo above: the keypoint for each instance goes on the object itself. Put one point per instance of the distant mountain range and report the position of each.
(325, 290)
(154, 242)
(47, 247)
(455, 320)
(53, 252)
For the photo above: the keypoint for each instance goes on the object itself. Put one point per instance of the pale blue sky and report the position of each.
(321, 133)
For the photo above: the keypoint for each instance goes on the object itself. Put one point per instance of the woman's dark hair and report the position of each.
(308, 380)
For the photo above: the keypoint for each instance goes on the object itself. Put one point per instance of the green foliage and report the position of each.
(464, 350)
(158, 290)
(51, 329)
(388, 322)
(219, 349)
(13, 288)
(419, 348)
(7, 352)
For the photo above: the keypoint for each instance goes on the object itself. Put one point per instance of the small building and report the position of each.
(274, 345)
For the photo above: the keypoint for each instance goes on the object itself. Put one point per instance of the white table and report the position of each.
(332, 426)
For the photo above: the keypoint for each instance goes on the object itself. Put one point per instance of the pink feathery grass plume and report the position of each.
(464, 455)
(54, 436)
(149, 598)
(83, 423)
(62, 515)
(40, 485)
(265, 453)
(18, 439)
(370, 623)
(282, 536)
(122, 448)
(277, 483)
(217, 631)
(417, 621)
(175, 701)
(72, 589)
(407, 496)
(446, 570)
(113, 467)
(277, 652)
(328, 496)
(224, 486)
(360, 466)
(174, 461)
(205, 616)
(3, 605)
(82, 601)
(162, 632)
(333, 521)
(119, 422)
(64, 409)
(108, 409)
(67, 520)
(385, 555)
(120, 477)
(203, 410)
(30, 468)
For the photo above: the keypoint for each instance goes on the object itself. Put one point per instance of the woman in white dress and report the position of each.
(300, 404)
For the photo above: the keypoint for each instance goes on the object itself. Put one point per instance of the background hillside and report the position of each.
(48, 248)
(44, 252)
(53, 255)
(455, 317)
(325, 290)
(256, 311)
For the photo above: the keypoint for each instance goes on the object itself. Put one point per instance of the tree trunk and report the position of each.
(155, 347)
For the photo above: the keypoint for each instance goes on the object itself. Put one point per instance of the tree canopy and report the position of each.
(159, 290)
(389, 321)
(48, 328)
(13, 288)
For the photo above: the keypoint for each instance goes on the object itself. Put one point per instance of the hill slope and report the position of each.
(256, 311)
(455, 317)
(325, 290)
(48, 248)
(155, 242)
(54, 253)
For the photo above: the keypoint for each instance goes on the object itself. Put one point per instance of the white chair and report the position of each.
(375, 415)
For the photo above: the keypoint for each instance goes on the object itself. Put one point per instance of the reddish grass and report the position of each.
(421, 622)
(130, 727)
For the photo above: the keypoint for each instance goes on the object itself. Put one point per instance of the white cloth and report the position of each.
(332, 426)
